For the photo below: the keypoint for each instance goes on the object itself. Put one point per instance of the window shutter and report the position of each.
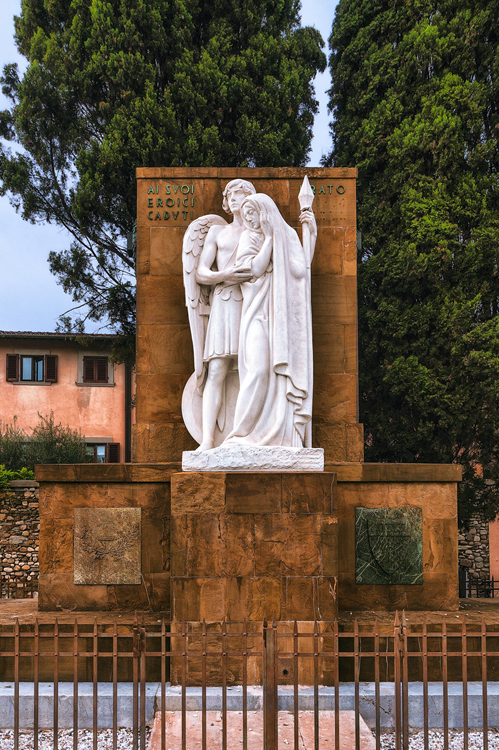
(113, 453)
(12, 370)
(88, 369)
(101, 375)
(51, 368)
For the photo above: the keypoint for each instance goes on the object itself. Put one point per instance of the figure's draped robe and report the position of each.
(275, 364)
(222, 334)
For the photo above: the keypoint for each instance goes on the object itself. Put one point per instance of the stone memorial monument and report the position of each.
(248, 487)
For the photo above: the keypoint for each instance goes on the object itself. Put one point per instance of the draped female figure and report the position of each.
(274, 403)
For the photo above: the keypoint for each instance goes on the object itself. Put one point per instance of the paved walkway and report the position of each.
(255, 731)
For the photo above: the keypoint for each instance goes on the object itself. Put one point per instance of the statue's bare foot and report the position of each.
(206, 445)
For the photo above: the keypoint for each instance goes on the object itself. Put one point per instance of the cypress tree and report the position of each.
(415, 96)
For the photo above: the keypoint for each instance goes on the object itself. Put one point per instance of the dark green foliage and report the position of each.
(13, 454)
(415, 95)
(48, 443)
(53, 443)
(117, 84)
(7, 476)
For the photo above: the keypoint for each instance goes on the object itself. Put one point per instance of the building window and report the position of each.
(95, 370)
(32, 368)
(104, 453)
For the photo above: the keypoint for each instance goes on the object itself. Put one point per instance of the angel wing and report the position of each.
(197, 295)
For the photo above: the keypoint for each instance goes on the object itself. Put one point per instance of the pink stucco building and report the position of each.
(75, 379)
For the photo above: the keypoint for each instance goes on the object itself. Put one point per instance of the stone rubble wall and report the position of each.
(19, 532)
(473, 545)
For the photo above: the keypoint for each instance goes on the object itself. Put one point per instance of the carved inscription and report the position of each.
(178, 200)
(107, 545)
(176, 203)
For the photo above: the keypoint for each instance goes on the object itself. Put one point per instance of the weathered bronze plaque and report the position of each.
(389, 546)
(107, 547)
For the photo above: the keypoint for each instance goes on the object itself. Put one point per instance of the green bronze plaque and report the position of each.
(389, 546)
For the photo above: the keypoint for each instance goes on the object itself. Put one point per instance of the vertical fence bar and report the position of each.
(115, 685)
(16, 683)
(356, 678)
(426, 738)
(203, 687)
(316, 686)
(485, 718)
(56, 684)
(36, 689)
(184, 686)
(464, 656)
(296, 728)
(75, 684)
(336, 647)
(377, 702)
(135, 678)
(396, 679)
(270, 651)
(142, 672)
(95, 651)
(163, 684)
(245, 685)
(405, 685)
(224, 685)
(269, 686)
(445, 685)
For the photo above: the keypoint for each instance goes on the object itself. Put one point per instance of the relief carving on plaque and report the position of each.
(389, 546)
(107, 546)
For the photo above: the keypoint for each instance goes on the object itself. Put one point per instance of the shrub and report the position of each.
(49, 443)
(55, 444)
(13, 446)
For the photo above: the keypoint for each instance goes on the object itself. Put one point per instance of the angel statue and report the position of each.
(248, 296)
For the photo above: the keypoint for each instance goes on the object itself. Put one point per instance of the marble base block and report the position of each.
(254, 458)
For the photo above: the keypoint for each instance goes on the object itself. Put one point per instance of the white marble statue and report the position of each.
(248, 296)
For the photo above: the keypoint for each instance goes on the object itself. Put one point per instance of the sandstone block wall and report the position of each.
(235, 544)
(246, 545)
(64, 488)
(167, 201)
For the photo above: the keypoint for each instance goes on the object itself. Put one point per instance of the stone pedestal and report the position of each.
(246, 544)
(239, 544)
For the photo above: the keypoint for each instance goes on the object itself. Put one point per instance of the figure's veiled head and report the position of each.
(243, 187)
(258, 205)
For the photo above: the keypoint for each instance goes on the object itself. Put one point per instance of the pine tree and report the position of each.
(415, 97)
(117, 84)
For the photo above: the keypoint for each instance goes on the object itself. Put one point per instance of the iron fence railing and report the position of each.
(482, 588)
(23, 589)
(320, 668)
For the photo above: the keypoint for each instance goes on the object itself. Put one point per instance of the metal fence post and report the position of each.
(397, 638)
(270, 706)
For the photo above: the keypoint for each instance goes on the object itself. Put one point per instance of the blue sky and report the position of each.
(30, 299)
